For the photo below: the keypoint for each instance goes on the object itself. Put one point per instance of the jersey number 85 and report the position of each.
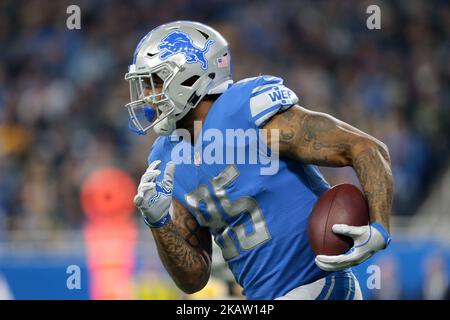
(215, 221)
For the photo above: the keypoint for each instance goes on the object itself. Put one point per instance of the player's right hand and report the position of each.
(154, 198)
(367, 240)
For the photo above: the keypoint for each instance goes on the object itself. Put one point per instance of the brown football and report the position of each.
(341, 204)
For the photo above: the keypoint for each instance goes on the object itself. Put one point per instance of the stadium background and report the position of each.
(61, 118)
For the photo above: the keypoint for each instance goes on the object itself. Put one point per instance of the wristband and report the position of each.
(379, 227)
(160, 223)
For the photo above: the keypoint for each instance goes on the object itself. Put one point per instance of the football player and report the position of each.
(181, 75)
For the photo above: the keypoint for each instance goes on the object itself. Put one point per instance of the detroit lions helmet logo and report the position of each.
(179, 42)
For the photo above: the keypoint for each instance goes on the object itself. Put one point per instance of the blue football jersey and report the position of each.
(258, 219)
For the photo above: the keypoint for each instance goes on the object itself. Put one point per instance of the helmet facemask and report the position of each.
(155, 109)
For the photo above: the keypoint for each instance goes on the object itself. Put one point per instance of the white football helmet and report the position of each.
(189, 60)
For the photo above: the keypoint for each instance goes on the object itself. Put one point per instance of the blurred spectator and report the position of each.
(436, 278)
(62, 91)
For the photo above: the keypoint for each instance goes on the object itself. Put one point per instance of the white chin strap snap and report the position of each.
(165, 127)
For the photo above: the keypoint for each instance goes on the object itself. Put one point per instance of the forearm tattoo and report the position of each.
(374, 172)
(184, 249)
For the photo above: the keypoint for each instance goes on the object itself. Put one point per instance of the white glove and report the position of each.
(367, 240)
(155, 198)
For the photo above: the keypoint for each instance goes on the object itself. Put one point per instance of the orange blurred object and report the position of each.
(110, 233)
(108, 194)
(110, 250)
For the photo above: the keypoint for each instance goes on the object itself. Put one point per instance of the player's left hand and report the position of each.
(155, 198)
(367, 240)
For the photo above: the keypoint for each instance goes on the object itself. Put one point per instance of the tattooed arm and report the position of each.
(318, 138)
(185, 250)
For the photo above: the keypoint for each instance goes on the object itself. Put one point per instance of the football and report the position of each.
(341, 204)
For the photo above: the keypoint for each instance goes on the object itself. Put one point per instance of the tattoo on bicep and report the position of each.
(288, 114)
(314, 125)
(287, 133)
(314, 137)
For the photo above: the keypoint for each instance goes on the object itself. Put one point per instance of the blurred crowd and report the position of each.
(62, 91)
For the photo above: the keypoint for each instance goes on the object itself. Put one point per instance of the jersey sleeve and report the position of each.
(269, 97)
